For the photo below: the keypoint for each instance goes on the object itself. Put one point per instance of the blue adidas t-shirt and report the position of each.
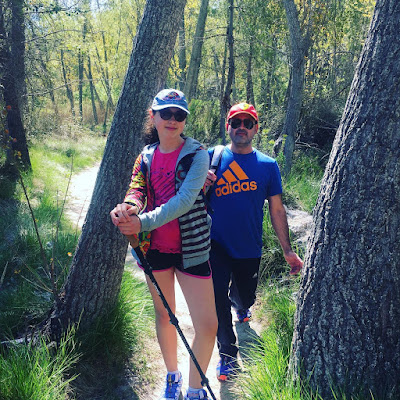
(244, 182)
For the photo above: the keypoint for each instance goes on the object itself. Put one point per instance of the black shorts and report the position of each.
(163, 261)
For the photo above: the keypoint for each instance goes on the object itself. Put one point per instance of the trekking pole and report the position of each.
(133, 240)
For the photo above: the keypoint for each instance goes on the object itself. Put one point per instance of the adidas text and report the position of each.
(235, 187)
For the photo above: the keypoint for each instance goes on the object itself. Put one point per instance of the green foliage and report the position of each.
(272, 263)
(203, 122)
(37, 371)
(301, 186)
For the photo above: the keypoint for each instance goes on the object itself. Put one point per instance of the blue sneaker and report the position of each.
(243, 315)
(200, 395)
(226, 368)
(172, 388)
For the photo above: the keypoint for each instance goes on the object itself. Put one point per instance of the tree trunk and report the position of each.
(195, 58)
(226, 99)
(222, 106)
(92, 92)
(94, 279)
(299, 47)
(347, 325)
(249, 82)
(12, 83)
(182, 55)
(67, 85)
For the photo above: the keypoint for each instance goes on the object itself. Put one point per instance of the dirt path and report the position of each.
(81, 188)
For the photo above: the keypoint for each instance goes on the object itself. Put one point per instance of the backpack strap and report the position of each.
(216, 158)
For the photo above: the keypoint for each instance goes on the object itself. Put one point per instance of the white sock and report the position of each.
(193, 392)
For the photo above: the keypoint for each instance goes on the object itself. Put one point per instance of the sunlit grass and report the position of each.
(21, 258)
(303, 183)
(37, 371)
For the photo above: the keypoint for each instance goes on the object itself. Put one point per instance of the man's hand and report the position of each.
(295, 262)
(211, 178)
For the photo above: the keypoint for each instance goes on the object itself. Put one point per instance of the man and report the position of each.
(243, 181)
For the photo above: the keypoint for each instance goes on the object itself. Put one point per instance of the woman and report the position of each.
(165, 198)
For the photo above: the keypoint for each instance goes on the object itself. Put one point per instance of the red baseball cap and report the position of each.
(242, 108)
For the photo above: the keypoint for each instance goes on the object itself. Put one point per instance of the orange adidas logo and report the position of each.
(234, 180)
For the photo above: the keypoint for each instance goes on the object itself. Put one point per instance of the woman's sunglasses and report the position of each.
(167, 114)
(237, 122)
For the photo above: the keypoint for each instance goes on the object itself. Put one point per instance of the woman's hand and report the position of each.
(122, 212)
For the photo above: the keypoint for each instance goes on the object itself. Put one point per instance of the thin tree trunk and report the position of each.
(299, 46)
(226, 94)
(67, 85)
(182, 54)
(249, 82)
(347, 324)
(94, 279)
(92, 94)
(195, 58)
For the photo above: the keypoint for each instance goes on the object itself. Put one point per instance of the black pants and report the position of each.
(235, 283)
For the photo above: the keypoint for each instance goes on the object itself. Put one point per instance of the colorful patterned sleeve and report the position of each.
(137, 190)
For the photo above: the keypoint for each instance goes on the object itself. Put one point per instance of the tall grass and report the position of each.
(37, 371)
(301, 186)
(25, 282)
(266, 372)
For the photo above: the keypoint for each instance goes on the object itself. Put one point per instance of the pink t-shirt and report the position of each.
(166, 238)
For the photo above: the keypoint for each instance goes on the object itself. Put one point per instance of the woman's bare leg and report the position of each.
(199, 295)
(166, 332)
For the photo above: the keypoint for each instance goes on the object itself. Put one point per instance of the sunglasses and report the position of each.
(237, 122)
(166, 114)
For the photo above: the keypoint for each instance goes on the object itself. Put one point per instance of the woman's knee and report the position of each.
(162, 317)
(207, 327)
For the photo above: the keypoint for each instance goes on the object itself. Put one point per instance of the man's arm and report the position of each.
(279, 222)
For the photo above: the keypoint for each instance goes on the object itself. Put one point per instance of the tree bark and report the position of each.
(67, 85)
(299, 46)
(226, 97)
(92, 92)
(13, 60)
(249, 81)
(195, 58)
(94, 279)
(182, 54)
(347, 324)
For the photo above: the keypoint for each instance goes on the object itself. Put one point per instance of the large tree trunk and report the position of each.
(347, 326)
(195, 58)
(95, 276)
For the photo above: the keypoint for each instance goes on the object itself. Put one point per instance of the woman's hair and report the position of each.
(150, 131)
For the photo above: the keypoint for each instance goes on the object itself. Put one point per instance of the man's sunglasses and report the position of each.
(237, 122)
(167, 114)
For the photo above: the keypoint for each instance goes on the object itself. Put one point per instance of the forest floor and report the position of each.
(81, 188)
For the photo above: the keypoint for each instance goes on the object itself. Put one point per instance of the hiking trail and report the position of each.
(79, 196)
